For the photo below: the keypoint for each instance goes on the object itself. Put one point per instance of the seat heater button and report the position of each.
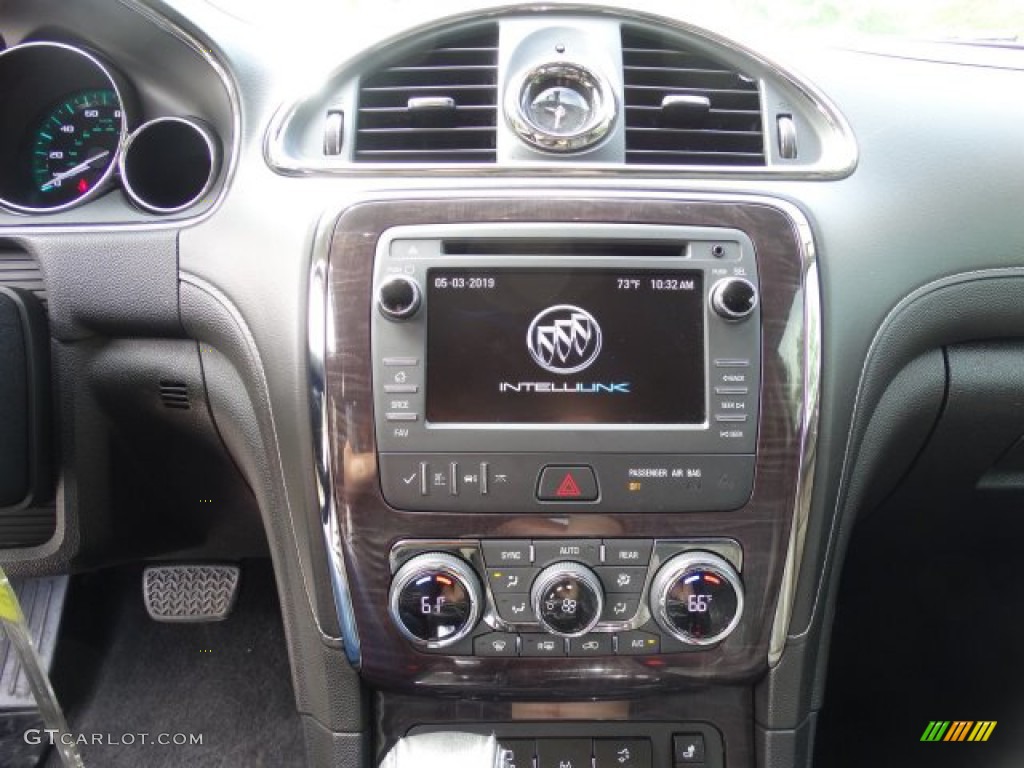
(688, 748)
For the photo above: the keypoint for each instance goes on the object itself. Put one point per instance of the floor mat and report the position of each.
(142, 693)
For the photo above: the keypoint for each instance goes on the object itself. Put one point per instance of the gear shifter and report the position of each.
(447, 749)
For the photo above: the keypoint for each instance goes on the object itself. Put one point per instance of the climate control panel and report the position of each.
(562, 597)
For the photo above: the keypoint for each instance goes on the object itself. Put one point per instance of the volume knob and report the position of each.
(398, 297)
(734, 298)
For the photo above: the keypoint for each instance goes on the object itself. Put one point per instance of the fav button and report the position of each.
(567, 483)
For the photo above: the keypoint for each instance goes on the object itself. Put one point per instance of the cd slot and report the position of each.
(551, 246)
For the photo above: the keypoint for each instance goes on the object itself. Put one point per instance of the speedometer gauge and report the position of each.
(64, 118)
(74, 145)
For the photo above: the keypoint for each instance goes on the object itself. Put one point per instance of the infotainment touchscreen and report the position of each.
(565, 346)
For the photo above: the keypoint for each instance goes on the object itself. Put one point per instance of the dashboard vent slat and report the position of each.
(174, 394)
(462, 67)
(730, 133)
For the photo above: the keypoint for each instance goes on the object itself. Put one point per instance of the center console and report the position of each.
(566, 443)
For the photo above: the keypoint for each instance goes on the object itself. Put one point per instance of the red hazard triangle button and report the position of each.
(568, 489)
(561, 483)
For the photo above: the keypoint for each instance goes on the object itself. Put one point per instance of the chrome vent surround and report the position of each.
(720, 122)
(438, 104)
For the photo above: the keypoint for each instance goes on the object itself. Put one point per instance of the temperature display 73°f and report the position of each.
(74, 145)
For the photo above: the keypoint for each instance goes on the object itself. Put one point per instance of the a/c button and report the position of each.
(567, 483)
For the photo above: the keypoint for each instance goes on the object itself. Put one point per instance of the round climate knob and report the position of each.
(435, 599)
(697, 597)
(398, 297)
(734, 298)
(567, 599)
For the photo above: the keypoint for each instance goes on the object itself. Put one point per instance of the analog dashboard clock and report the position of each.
(561, 107)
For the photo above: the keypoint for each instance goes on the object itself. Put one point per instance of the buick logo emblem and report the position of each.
(564, 339)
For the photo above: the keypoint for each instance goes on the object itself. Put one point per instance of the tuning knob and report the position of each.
(734, 298)
(398, 297)
(435, 599)
(567, 599)
(697, 597)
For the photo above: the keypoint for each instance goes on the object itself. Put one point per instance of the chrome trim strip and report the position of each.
(252, 349)
(840, 147)
(809, 412)
(317, 343)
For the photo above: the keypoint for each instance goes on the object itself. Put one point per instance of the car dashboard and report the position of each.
(550, 352)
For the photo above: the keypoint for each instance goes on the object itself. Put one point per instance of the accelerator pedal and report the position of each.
(190, 593)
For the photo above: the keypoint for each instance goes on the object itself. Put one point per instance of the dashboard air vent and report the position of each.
(685, 108)
(174, 394)
(435, 105)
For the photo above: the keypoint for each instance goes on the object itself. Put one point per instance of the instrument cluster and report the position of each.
(72, 130)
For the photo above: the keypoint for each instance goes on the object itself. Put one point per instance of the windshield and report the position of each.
(996, 21)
